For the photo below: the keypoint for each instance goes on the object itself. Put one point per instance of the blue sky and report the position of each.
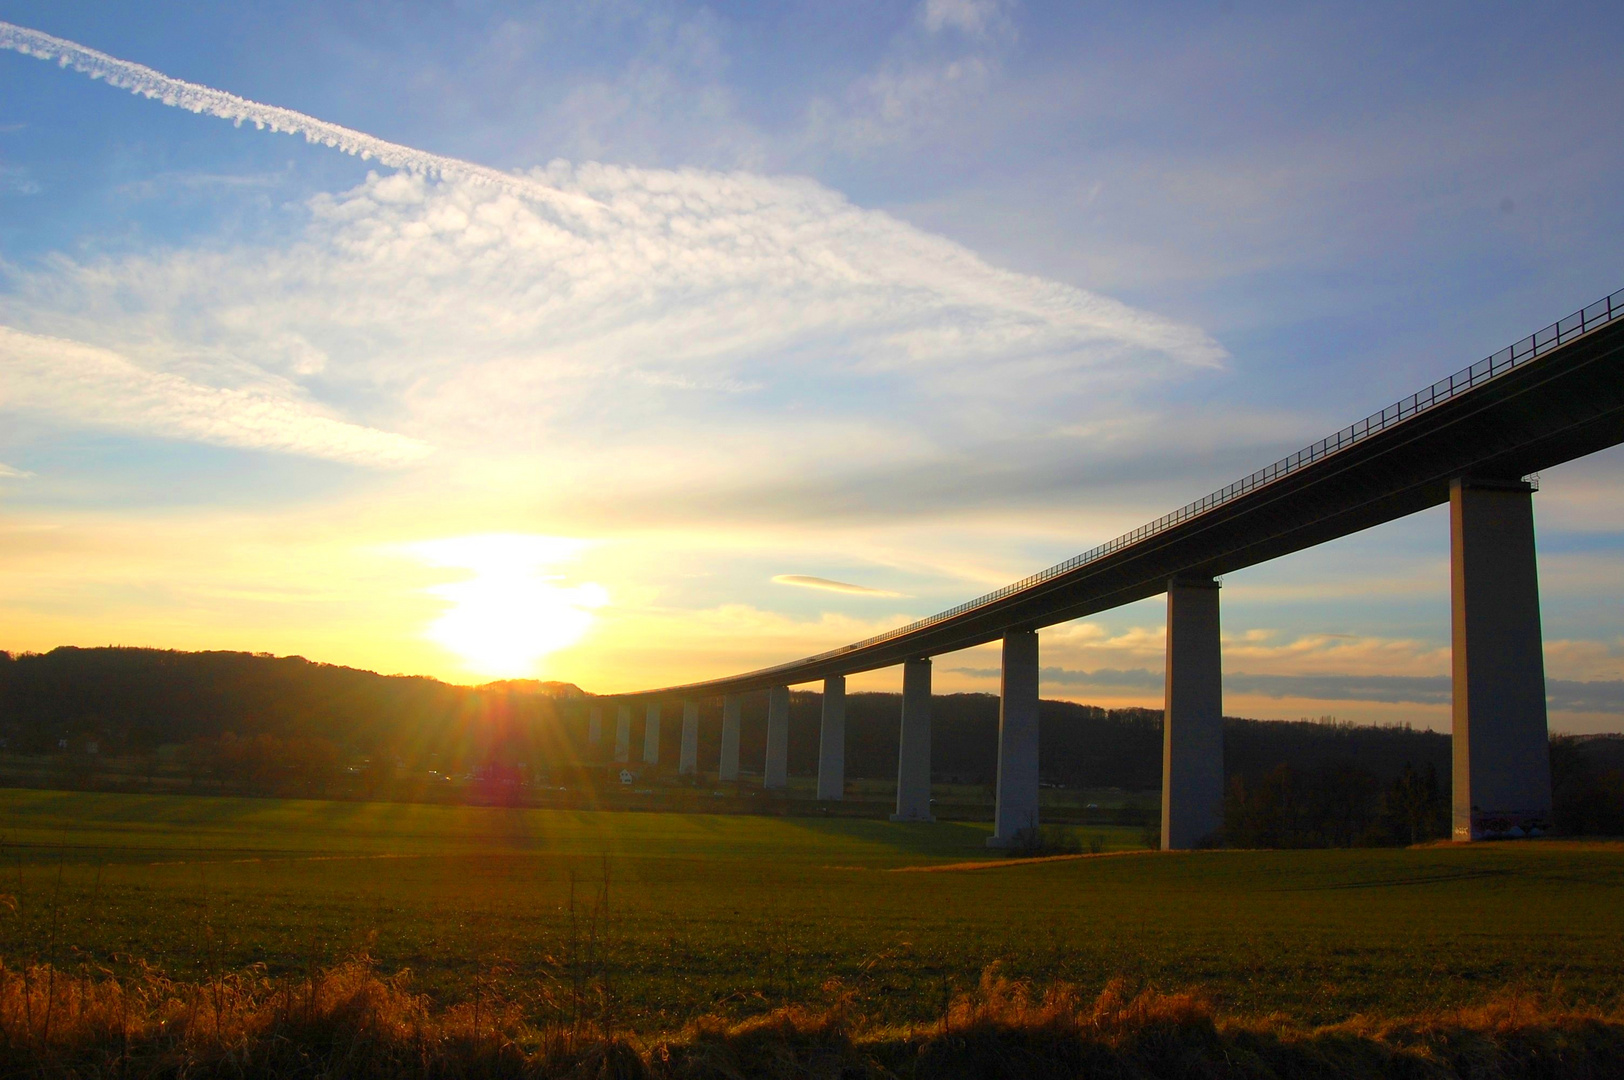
(918, 297)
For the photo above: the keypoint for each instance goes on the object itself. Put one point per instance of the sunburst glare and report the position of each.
(513, 611)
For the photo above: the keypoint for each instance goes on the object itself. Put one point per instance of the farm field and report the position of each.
(864, 797)
(683, 914)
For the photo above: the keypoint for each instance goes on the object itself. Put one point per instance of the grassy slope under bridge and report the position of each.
(738, 914)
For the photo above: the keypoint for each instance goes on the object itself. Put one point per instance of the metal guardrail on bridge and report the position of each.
(1512, 356)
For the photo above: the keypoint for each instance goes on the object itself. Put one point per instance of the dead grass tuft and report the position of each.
(352, 1021)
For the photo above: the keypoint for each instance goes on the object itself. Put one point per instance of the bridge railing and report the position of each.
(1512, 356)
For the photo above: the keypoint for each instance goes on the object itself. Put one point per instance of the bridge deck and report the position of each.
(1553, 397)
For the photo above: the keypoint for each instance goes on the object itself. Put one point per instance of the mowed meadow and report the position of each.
(673, 916)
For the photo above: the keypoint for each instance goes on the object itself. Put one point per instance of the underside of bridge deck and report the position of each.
(1469, 441)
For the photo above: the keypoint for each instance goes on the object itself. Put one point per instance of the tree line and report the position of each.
(278, 721)
(247, 715)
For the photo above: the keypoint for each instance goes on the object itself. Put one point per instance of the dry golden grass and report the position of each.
(351, 1021)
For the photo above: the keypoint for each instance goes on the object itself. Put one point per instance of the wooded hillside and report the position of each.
(140, 699)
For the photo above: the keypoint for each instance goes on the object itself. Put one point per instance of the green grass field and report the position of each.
(736, 913)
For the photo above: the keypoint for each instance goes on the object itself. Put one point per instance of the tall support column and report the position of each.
(1193, 726)
(776, 774)
(594, 726)
(623, 732)
(1502, 762)
(729, 766)
(688, 763)
(832, 740)
(913, 748)
(651, 734)
(1017, 807)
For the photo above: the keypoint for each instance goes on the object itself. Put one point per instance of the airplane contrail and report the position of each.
(973, 284)
(142, 80)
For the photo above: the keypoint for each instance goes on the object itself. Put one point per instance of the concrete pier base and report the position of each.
(651, 735)
(913, 748)
(1017, 805)
(623, 732)
(1502, 763)
(688, 762)
(832, 740)
(1193, 727)
(728, 769)
(776, 774)
(594, 726)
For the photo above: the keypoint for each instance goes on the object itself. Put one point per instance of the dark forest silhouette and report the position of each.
(254, 718)
(140, 699)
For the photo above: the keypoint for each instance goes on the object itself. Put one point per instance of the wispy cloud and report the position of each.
(499, 327)
(9, 472)
(505, 314)
(1101, 678)
(1602, 696)
(808, 581)
(1562, 695)
(81, 384)
(17, 181)
(221, 183)
(966, 16)
(917, 90)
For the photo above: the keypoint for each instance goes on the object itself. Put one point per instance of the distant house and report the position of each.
(626, 776)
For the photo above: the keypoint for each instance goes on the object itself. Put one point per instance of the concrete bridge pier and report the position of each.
(1502, 763)
(832, 740)
(1017, 805)
(728, 770)
(623, 732)
(594, 726)
(651, 734)
(1193, 726)
(688, 762)
(776, 774)
(913, 748)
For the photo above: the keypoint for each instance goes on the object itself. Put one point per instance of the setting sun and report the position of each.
(512, 611)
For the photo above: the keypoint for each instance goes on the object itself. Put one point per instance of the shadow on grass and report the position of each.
(937, 839)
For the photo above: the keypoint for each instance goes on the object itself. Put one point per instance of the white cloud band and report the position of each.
(86, 385)
(503, 313)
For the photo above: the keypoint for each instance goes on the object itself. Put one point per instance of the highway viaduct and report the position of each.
(1471, 440)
